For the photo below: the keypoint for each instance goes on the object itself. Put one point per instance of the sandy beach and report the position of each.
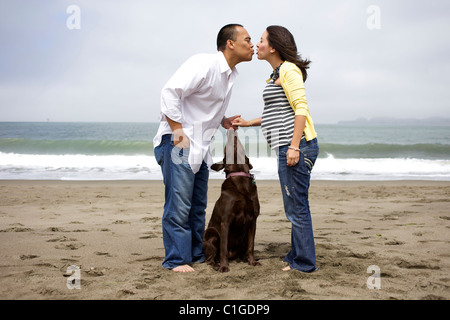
(111, 231)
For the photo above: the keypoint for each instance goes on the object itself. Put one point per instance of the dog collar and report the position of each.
(243, 174)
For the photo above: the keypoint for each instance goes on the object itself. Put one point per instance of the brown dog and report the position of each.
(232, 227)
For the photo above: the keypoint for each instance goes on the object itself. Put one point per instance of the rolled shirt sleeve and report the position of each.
(183, 83)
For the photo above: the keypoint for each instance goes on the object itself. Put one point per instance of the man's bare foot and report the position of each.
(183, 268)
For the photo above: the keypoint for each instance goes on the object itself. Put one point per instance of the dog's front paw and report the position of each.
(224, 269)
(254, 263)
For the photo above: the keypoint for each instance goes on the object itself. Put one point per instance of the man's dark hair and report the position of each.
(227, 32)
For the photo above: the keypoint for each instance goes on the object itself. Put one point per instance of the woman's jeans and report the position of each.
(183, 219)
(294, 186)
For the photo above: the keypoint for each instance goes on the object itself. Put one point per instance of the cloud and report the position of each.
(113, 68)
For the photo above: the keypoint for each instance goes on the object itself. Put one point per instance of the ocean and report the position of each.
(124, 151)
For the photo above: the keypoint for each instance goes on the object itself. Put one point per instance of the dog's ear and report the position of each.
(218, 166)
(248, 162)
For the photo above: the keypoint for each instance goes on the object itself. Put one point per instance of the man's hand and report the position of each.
(180, 139)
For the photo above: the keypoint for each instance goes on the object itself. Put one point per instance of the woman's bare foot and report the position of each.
(289, 268)
(183, 268)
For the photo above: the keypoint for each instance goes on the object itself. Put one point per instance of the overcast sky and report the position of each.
(364, 64)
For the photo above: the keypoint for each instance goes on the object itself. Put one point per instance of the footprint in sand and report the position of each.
(415, 265)
(120, 222)
(70, 246)
(61, 239)
(28, 256)
(149, 235)
(55, 229)
(394, 243)
(106, 254)
(150, 219)
(16, 229)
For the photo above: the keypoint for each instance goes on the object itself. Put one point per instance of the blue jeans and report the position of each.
(294, 186)
(183, 219)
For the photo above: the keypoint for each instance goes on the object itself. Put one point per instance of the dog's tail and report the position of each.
(211, 244)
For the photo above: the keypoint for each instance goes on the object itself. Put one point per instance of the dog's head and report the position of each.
(234, 159)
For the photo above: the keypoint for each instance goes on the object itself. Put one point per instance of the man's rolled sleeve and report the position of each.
(170, 105)
(183, 83)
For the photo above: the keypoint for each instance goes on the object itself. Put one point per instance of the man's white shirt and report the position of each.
(197, 96)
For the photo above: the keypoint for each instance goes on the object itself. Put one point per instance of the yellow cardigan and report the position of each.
(291, 79)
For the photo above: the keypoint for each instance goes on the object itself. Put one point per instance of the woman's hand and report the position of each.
(239, 122)
(227, 123)
(292, 157)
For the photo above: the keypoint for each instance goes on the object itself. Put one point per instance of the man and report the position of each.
(193, 106)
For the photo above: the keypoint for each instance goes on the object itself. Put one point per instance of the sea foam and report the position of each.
(144, 167)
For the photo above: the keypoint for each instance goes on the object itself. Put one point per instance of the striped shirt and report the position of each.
(278, 117)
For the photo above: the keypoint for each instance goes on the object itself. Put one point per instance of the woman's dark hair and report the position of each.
(283, 41)
(227, 32)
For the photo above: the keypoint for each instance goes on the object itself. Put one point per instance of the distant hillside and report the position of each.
(395, 121)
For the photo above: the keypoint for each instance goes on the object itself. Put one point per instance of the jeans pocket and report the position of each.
(158, 151)
(180, 155)
(308, 155)
(281, 155)
(309, 164)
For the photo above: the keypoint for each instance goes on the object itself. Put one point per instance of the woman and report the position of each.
(287, 125)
